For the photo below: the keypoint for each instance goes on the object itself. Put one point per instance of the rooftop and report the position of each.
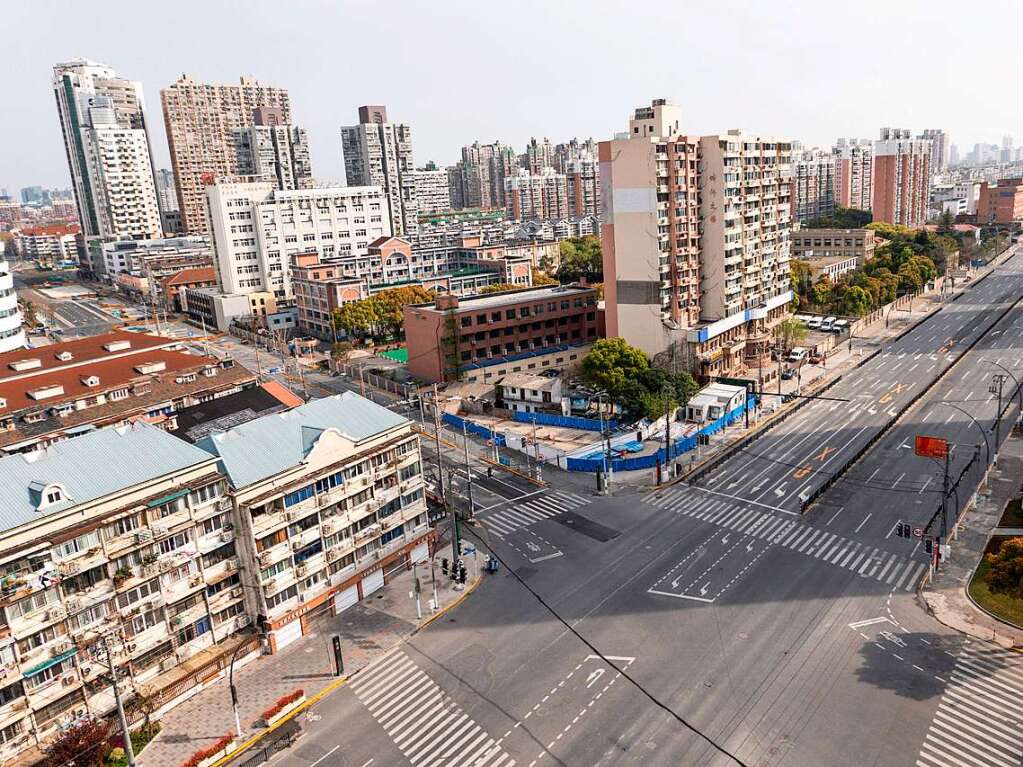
(88, 467)
(517, 296)
(88, 349)
(199, 421)
(267, 446)
(185, 276)
(529, 381)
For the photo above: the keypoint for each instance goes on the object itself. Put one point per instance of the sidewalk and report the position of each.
(368, 630)
(945, 595)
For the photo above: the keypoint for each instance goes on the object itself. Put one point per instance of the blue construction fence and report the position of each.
(680, 446)
(564, 421)
(473, 428)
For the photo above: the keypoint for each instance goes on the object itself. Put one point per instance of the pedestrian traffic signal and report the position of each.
(928, 545)
(462, 575)
(444, 565)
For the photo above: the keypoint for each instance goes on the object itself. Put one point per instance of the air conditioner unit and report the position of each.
(158, 529)
(158, 601)
(62, 646)
(143, 535)
(67, 568)
(86, 670)
(68, 679)
(242, 621)
(56, 614)
(168, 663)
(297, 544)
(264, 558)
(73, 603)
(195, 580)
(226, 537)
(236, 592)
(300, 569)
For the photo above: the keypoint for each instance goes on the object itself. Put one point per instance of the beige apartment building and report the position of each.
(132, 539)
(854, 173)
(809, 244)
(696, 241)
(203, 121)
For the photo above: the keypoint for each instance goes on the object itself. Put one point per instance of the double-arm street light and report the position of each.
(983, 432)
(1018, 391)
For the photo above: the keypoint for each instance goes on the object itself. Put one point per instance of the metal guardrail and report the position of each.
(262, 752)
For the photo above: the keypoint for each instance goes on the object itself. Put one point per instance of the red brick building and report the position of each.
(1001, 202)
(482, 337)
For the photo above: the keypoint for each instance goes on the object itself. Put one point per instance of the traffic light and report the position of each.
(904, 530)
(461, 574)
(455, 567)
(444, 565)
(928, 545)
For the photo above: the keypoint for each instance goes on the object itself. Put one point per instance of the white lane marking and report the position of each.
(860, 526)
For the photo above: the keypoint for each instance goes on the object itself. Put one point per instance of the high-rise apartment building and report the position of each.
(813, 185)
(710, 294)
(536, 195)
(482, 173)
(539, 155)
(256, 230)
(104, 126)
(271, 150)
(854, 162)
(939, 149)
(12, 334)
(202, 125)
(379, 153)
(901, 178)
(431, 190)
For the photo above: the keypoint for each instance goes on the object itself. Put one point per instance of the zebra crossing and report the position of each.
(791, 533)
(977, 721)
(422, 720)
(519, 514)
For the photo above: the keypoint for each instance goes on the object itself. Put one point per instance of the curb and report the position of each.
(341, 681)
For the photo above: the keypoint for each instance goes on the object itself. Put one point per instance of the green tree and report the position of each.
(946, 222)
(820, 293)
(389, 306)
(498, 288)
(611, 363)
(542, 278)
(581, 257)
(356, 318)
(790, 332)
(1005, 569)
(843, 218)
(856, 301)
(28, 312)
(340, 351)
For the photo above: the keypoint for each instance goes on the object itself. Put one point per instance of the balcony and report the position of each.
(221, 569)
(36, 620)
(304, 538)
(215, 540)
(189, 616)
(274, 554)
(266, 523)
(53, 689)
(340, 549)
(182, 587)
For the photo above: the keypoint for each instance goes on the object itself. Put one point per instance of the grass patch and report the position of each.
(1013, 514)
(1000, 605)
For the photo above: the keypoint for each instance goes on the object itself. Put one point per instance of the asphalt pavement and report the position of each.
(718, 624)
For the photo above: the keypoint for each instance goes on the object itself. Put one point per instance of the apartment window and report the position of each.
(44, 676)
(282, 596)
(9, 693)
(140, 592)
(30, 604)
(173, 543)
(205, 494)
(466, 322)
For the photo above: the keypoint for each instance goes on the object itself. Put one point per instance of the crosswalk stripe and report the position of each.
(544, 505)
(525, 516)
(917, 572)
(978, 722)
(973, 686)
(972, 672)
(887, 567)
(868, 561)
(809, 541)
(796, 532)
(954, 729)
(961, 749)
(580, 500)
(422, 720)
(499, 525)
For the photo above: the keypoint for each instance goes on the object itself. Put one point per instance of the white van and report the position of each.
(798, 354)
(827, 324)
(840, 327)
(814, 323)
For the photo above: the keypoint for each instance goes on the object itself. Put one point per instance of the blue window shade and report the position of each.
(309, 551)
(298, 496)
(323, 484)
(390, 535)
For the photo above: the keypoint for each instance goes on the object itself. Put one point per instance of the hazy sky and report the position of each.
(458, 71)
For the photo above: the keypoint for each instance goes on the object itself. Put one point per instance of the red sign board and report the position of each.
(931, 447)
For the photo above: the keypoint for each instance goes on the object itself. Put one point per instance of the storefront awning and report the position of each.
(166, 499)
(51, 662)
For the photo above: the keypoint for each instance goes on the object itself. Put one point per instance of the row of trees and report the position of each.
(625, 373)
(902, 265)
(580, 258)
(381, 315)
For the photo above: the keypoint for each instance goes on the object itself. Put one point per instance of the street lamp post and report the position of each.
(1015, 380)
(983, 433)
(234, 691)
(129, 751)
(997, 380)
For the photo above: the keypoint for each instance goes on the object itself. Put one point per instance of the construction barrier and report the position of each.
(678, 447)
(473, 428)
(564, 421)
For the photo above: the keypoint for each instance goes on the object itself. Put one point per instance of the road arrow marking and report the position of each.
(595, 675)
(704, 589)
(724, 540)
(780, 491)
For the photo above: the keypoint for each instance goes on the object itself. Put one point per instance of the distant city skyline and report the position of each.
(770, 83)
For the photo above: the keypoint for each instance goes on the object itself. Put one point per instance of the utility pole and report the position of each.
(667, 431)
(778, 350)
(603, 455)
(468, 470)
(436, 435)
(997, 380)
(536, 454)
(362, 387)
(128, 750)
(301, 373)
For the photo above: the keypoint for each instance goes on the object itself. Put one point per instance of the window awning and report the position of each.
(166, 499)
(47, 663)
